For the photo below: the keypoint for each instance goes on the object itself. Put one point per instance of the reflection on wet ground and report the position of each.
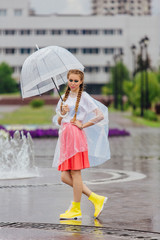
(130, 181)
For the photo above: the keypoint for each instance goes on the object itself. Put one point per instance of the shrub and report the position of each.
(137, 112)
(7, 83)
(149, 115)
(36, 103)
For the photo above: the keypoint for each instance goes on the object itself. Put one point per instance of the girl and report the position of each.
(82, 143)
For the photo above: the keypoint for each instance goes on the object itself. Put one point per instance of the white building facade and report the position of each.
(113, 7)
(92, 39)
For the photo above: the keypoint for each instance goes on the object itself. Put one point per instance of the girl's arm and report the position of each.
(87, 124)
(98, 117)
(65, 109)
(80, 125)
(59, 120)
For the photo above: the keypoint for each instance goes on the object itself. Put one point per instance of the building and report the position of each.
(114, 7)
(94, 40)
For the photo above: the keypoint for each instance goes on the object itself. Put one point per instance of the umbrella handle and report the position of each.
(56, 88)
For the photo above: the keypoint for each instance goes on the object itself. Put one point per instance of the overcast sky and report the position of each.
(72, 6)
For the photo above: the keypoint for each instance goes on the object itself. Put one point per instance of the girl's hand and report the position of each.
(77, 123)
(65, 109)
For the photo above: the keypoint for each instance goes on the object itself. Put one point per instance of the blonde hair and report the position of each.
(81, 87)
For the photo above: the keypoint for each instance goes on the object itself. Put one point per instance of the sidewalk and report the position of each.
(30, 208)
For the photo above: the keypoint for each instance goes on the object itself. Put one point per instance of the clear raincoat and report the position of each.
(93, 139)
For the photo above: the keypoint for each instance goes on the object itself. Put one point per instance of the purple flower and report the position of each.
(117, 132)
(43, 133)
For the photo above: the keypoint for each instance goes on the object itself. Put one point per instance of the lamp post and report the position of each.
(146, 65)
(141, 43)
(121, 79)
(115, 84)
(133, 49)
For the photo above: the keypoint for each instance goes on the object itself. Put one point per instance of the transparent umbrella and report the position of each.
(46, 69)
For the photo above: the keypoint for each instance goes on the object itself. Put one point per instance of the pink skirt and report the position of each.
(73, 148)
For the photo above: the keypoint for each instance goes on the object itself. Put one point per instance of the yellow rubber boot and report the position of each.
(73, 213)
(98, 202)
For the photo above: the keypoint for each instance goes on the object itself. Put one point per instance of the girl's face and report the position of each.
(74, 82)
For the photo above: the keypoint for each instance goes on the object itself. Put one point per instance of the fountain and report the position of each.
(16, 156)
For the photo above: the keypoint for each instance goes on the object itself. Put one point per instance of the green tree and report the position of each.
(158, 75)
(7, 82)
(119, 74)
(133, 90)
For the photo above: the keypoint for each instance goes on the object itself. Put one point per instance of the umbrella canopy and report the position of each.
(46, 68)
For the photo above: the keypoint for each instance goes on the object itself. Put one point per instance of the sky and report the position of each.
(61, 6)
(72, 6)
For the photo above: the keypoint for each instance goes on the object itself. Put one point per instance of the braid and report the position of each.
(65, 96)
(81, 87)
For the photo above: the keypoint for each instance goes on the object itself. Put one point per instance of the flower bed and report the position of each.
(46, 133)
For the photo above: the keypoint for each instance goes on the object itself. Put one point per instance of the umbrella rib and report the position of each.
(53, 78)
(37, 84)
(57, 88)
(62, 78)
(53, 81)
(61, 60)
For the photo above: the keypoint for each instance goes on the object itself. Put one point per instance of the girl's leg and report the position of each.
(74, 179)
(67, 178)
(77, 185)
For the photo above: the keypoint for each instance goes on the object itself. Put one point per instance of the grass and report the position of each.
(41, 116)
(28, 115)
(138, 120)
(16, 94)
(145, 122)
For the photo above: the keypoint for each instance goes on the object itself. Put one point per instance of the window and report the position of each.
(40, 32)
(9, 50)
(90, 69)
(56, 32)
(120, 50)
(3, 12)
(25, 50)
(90, 50)
(25, 32)
(109, 31)
(18, 12)
(109, 50)
(14, 69)
(73, 50)
(9, 32)
(89, 31)
(119, 31)
(106, 69)
(72, 32)
(20, 68)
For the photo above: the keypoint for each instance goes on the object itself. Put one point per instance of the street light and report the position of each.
(121, 82)
(115, 84)
(134, 69)
(146, 65)
(141, 43)
(133, 49)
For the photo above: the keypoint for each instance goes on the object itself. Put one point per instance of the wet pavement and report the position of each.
(30, 208)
